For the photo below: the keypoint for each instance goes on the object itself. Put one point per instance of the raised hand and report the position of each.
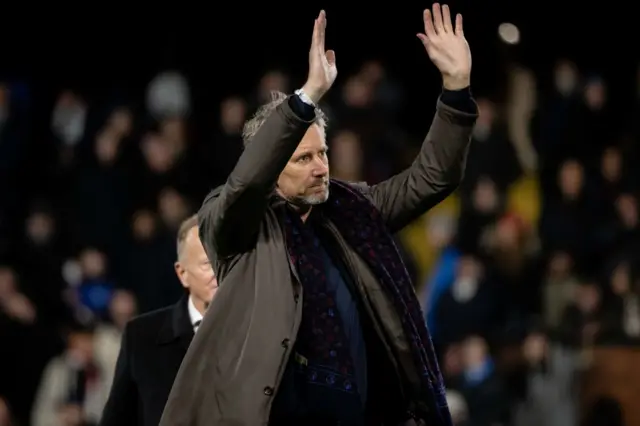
(447, 48)
(322, 64)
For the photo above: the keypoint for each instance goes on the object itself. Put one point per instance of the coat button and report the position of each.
(285, 343)
(268, 390)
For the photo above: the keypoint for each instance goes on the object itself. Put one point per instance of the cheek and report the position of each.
(291, 181)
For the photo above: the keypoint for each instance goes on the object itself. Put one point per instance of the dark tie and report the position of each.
(196, 324)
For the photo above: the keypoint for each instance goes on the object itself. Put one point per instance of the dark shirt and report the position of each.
(350, 313)
(306, 392)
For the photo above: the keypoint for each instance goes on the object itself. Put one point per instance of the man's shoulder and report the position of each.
(149, 322)
(360, 186)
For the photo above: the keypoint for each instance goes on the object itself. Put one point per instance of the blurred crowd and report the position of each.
(533, 260)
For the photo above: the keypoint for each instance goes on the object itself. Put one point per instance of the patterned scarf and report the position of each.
(363, 229)
(321, 337)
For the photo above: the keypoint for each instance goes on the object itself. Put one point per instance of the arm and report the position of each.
(229, 219)
(121, 408)
(49, 395)
(439, 167)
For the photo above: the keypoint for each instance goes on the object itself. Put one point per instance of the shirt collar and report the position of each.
(194, 314)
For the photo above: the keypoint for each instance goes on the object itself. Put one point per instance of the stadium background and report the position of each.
(108, 55)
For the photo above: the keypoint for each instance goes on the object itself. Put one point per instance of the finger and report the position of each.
(459, 31)
(437, 18)
(446, 19)
(314, 37)
(322, 20)
(429, 30)
(331, 57)
(425, 42)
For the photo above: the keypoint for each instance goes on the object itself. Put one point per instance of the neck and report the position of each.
(302, 209)
(200, 305)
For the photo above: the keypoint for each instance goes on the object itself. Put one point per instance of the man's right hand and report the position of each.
(322, 64)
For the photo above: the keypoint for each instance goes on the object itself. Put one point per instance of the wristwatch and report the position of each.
(304, 97)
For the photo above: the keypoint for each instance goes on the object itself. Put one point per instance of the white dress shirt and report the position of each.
(194, 315)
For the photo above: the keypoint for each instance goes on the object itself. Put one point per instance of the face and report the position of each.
(571, 179)
(122, 307)
(194, 269)
(80, 346)
(305, 179)
(474, 351)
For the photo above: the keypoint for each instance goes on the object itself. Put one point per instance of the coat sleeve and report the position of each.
(439, 167)
(229, 218)
(121, 408)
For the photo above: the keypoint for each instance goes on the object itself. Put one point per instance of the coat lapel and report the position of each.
(177, 327)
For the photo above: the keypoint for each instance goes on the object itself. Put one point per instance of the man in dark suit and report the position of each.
(154, 344)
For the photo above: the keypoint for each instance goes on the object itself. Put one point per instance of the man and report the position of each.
(316, 321)
(154, 344)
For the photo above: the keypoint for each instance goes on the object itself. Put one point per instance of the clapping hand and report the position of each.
(322, 64)
(446, 46)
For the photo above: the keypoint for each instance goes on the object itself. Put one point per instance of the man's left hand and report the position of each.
(446, 46)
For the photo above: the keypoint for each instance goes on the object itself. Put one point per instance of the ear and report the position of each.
(181, 272)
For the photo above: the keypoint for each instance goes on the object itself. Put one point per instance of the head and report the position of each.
(107, 145)
(611, 164)
(621, 279)
(8, 282)
(122, 307)
(571, 179)
(595, 93)
(474, 351)
(193, 266)
(121, 121)
(565, 77)
(93, 263)
(305, 179)
(80, 344)
(233, 112)
(588, 297)
(535, 348)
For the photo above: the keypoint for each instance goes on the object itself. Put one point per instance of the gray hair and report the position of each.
(252, 126)
(187, 225)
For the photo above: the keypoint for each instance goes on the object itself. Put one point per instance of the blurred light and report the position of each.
(509, 33)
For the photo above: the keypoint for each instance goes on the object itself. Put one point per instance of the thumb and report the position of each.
(426, 43)
(424, 39)
(331, 57)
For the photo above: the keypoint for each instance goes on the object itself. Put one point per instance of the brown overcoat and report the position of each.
(234, 365)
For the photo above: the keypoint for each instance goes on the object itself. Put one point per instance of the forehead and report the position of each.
(313, 140)
(192, 241)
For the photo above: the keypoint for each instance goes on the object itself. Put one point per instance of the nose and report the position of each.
(321, 168)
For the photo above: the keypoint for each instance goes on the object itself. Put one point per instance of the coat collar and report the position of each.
(177, 324)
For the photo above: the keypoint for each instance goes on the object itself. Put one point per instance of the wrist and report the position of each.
(314, 93)
(456, 82)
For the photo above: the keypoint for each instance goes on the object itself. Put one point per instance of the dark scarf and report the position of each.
(363, 229)
(321, 338)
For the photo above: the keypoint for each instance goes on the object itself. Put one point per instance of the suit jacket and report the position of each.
(233, 369)
(153, 346)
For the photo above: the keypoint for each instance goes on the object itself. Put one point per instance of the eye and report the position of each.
(305, 158)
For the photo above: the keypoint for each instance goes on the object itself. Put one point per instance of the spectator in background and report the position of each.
(154, 344)
(6, 418)
(73, 390)
(481, 385)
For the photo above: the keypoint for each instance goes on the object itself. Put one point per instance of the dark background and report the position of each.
(224, 47)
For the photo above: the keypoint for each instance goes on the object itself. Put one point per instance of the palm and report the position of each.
(322, 64)
(446, 46)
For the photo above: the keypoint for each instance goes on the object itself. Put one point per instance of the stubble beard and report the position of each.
(311, 200)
